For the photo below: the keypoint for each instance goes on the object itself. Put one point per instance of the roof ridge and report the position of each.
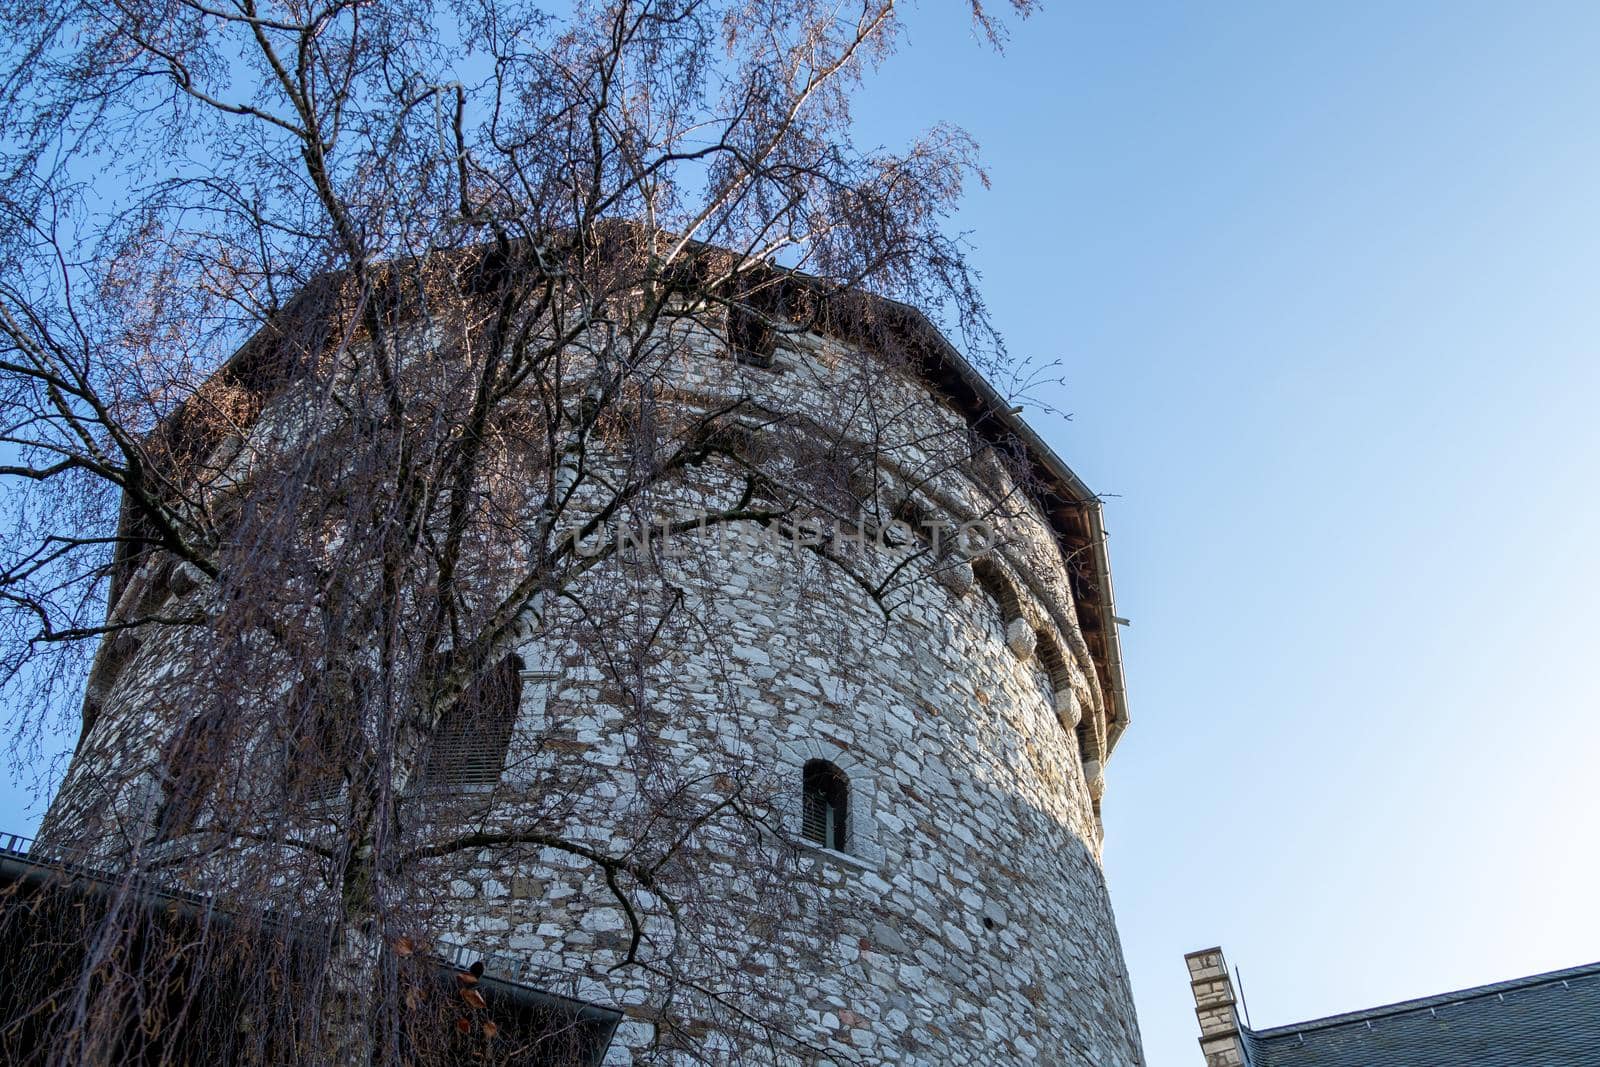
(1401, 1007)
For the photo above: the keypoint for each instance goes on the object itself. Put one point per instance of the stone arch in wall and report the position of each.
(995, 583)
(936, 537)
(1068, 709)
(884, 497)
(864, 839)
(1085, 728)
(1027, 641)
(892, 494)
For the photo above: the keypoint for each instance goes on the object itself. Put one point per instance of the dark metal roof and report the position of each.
(1546, 1020)
(39, 881)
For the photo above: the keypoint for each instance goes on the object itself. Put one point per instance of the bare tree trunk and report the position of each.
(350, 994)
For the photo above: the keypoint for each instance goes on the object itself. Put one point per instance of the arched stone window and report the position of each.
(825, 805)
(324, 718)
(859, 779)
(470, 742)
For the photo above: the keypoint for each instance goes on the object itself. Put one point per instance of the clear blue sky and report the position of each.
(1324, 281)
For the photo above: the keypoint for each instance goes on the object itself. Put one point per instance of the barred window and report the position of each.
(825, 811)
(470, 742)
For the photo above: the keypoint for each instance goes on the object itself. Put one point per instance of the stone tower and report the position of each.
(930, 759)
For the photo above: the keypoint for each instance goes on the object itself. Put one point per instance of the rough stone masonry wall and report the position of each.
(976, 926)
(968, 921)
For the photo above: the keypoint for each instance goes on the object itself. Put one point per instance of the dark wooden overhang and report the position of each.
(52, 905)
(1073, 510)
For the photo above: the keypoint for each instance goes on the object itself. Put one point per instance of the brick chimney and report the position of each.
(1215, 1007)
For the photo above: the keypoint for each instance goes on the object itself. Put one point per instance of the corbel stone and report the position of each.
(1020, 638)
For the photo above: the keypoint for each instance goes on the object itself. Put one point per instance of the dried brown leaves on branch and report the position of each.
(322, 329)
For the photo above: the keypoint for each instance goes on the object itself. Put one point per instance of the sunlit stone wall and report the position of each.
(966, 921)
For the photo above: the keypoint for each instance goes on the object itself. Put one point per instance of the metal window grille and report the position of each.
(825, 805)
(470, 742)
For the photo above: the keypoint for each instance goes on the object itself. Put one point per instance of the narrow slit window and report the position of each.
(825, 814)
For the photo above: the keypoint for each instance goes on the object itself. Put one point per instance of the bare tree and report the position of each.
(341, 347)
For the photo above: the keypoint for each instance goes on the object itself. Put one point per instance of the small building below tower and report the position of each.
(1548, 1020)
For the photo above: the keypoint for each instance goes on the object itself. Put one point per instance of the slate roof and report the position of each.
(1547, 1020)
